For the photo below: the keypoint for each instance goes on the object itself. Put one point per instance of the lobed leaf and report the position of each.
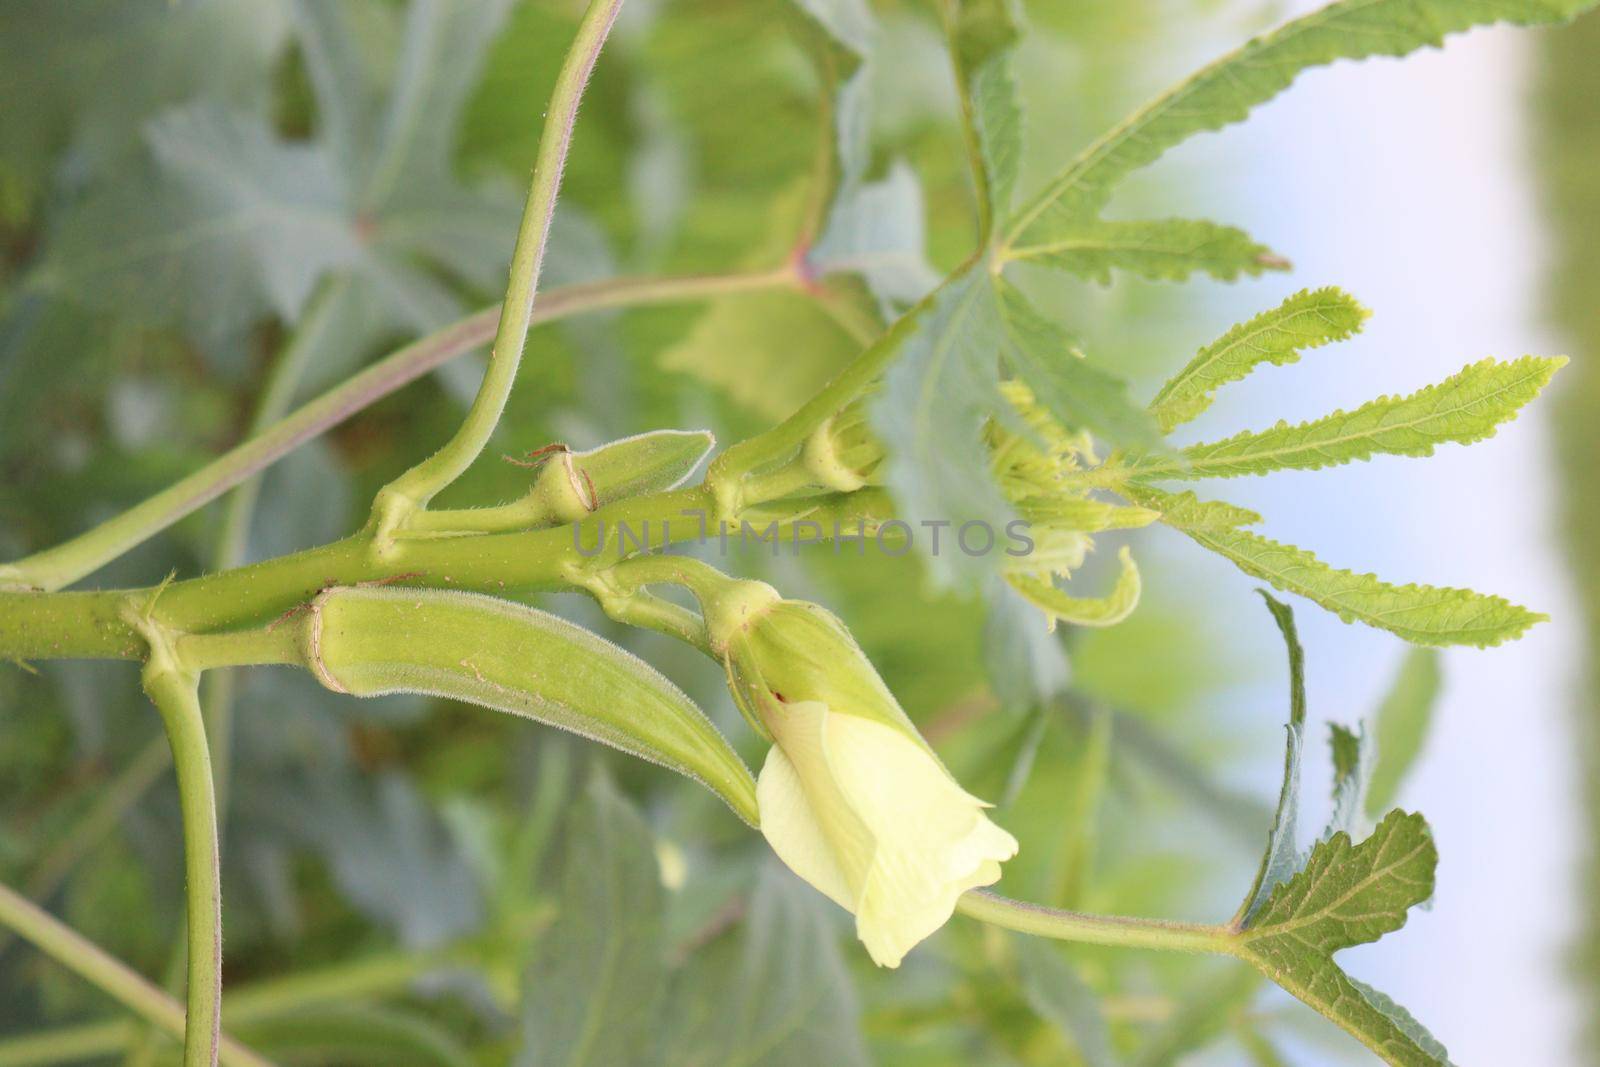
(1308, 319)
(1422, 614)
(1225, 91)
(1158, 249)
(1349, 894)
(1464, 408)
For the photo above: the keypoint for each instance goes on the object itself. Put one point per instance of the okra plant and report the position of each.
(966, 427)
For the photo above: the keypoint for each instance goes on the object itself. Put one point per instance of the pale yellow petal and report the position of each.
(814, 830)
(791, 829)
(934, 841)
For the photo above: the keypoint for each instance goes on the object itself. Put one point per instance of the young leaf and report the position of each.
(1225, 91)
(1059, 606)
(1346, 895)
(1402, 726)
(1422, 614)
(1464, 408)
(1309, 319)
(1282, 858)
(1079, 395)
(1158, 249)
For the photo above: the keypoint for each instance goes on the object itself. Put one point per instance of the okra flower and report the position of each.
(851, 797)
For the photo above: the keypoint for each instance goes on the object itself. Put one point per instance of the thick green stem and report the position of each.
(89, 625)
(1094, 929)
(415, 488)
(175, 692)
(69, 948)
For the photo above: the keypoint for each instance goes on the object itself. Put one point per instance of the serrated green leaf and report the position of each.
(1348, 895)
(1282, 858)
(1080, 395)
(1422, 614)
(1308, 319)
(594, 986)
(1465, 408)
(1225, 91)
(1401, 726)
(1403, 1020)
(1158, 249)
(1058, 995)
(1185, 511)
(1059, 606)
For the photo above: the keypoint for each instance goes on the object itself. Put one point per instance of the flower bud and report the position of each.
(843, 454)
(851, 797)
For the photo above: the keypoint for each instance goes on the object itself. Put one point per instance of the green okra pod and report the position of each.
(369, 641)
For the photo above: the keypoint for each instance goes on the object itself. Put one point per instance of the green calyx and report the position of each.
(794, 651)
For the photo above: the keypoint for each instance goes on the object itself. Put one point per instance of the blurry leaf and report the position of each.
(875, 229)
(849, 22)
(778, 994)
(230, 224)
(1202, 1014)
(1283, 858)
(936, 398)
(394, 858)
(227, 222)
(1058, 995)
(308, 496)
(594, 985)
(1422, 614)
(353, 1035)
(1348, 895)
(1225, 91)
(983, 34)
(1026, 662)
(1401, 726)
(1464, 408)
(1309, 319)
(1160, 250)
(768, 351)
(83, 76)
(1352, 770)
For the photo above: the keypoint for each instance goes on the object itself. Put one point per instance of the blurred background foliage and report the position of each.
(408, 881)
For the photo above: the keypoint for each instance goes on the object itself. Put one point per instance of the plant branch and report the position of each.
(92, 963)
(175, 692)
(1094, 929)
(417, 486)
